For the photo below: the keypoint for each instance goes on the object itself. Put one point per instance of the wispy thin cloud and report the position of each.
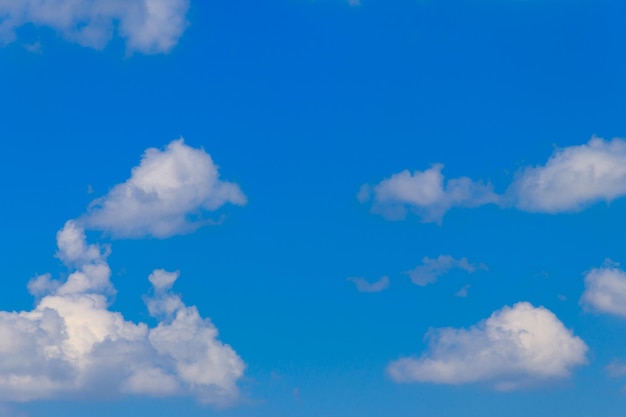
(362, 285)
(432, 268)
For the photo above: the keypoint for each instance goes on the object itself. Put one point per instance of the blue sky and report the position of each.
(407, 209)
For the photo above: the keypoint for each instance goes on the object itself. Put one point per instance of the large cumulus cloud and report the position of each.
(72, 343)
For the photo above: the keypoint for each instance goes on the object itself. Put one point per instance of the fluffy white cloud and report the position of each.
(516, 346)
(605, 289)
(72, 343)
(573, 178)
(148, 26)
(432, 268)
(426, 193)
(362, 285)
(167, 194)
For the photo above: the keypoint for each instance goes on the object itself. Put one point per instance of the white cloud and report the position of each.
(573, 178)
(148, 26)
(362, 285)
(72, 343)
(167, 194)
(515, 347)
(426, 193)
(432, 268)
(605, 289)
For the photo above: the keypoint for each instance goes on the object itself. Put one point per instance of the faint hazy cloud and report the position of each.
(34, 48)
(362, 285)
(148, 26)
(462, 293)
(616, 369)
(515, 347)
(432, 268)
(11, 412)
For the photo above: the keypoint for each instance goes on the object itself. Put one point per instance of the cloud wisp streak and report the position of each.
(432, 268)
(363, 285)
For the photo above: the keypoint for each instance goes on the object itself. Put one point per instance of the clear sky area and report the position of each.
(299, 208)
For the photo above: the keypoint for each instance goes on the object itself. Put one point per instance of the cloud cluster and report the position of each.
(572, 179)
(167, 194)
(425, 193)
(148, 26)
(432, 268)
(72, 343)
(515, 347)
(605, 289)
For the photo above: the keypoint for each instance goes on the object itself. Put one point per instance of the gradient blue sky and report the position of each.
(300, 103)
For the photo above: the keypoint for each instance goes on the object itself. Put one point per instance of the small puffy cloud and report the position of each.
(432, 268)
(573, 178)
(163, 280)
(167, 194)
(148, 26)
(72, 343)
(605, 289)
(425, 193)
(362, 285)
(515, 347)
